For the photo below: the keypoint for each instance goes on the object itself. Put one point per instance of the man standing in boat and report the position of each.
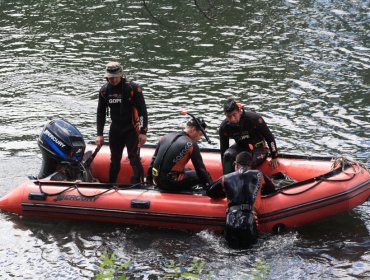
(250, 133)
(129, 126)
(243, 191)
(173, 151)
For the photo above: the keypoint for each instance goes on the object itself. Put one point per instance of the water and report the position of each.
(303, 65)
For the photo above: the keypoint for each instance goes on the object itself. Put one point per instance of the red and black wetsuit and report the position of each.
(127, 111)
(243, 191)
(250, 134)
(167, 168)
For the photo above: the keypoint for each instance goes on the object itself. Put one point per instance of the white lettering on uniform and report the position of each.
(116, 100)
(183, 152)
(259, 178)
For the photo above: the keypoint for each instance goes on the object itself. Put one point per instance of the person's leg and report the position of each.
(229, 158)
(249, 234)
(188, 179)
(232, 237)
(133, 152)
(116, 145)
(179, 182)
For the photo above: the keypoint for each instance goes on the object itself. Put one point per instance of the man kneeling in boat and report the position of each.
(250, 133)
(243, 191)
(174, 150)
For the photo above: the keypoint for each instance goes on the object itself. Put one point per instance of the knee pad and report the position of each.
(229, 155)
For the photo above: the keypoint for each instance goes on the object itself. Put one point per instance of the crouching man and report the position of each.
(167, 169)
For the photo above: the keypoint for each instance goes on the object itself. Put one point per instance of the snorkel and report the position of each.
(198, 123)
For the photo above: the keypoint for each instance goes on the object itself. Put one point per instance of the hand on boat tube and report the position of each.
(274, 163)
(142, 139)
(99, 141)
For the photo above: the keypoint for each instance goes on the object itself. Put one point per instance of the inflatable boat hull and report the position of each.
(146, 205)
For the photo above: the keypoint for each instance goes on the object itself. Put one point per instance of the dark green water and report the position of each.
(303, 65)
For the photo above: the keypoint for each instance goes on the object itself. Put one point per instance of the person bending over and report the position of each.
(243, 191)
(167, 169)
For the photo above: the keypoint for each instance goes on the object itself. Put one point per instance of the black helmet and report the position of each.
(230, 106)
(198, 123)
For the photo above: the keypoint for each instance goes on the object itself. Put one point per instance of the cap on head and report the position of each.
(113, 69)
(230, 106)
(197, 123)
(244, 159)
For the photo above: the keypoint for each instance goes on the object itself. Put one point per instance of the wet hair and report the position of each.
(244, 159)
(197, 123)
(230, 106)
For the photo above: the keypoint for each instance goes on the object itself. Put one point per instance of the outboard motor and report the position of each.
(62, 147)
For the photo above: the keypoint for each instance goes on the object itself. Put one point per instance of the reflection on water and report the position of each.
(304, 65)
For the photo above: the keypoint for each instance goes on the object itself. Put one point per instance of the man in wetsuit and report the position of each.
(250, 133)
(167, 169)
(243, 191)
(129, 126)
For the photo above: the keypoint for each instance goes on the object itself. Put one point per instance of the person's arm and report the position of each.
(224, 140)
(142, 111)
(200, 169)
(101, 117)
(270, 139)
(149, 176)
(217, 190)
(258, 198)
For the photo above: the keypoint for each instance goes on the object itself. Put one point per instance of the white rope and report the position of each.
(343, 161)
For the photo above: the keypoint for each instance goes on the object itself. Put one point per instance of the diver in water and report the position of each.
(243, 191)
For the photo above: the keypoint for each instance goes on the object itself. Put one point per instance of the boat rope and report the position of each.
(76, 185)
(343, 161)
(114, 187)
(340, 165)
(53, 194)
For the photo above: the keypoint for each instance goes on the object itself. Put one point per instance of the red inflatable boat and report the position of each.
(322, 190)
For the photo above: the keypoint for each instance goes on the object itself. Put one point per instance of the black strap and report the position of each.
(318, 178)
(243, 207)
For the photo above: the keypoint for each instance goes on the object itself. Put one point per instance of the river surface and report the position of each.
(303, 65)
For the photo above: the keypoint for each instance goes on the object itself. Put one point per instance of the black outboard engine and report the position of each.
(62, 147)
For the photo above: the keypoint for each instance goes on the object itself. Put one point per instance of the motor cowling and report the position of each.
(61, 143)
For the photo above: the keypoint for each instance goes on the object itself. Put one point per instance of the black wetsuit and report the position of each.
(127, 111)
(243, 191)
(167, 168)
(249, 135)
